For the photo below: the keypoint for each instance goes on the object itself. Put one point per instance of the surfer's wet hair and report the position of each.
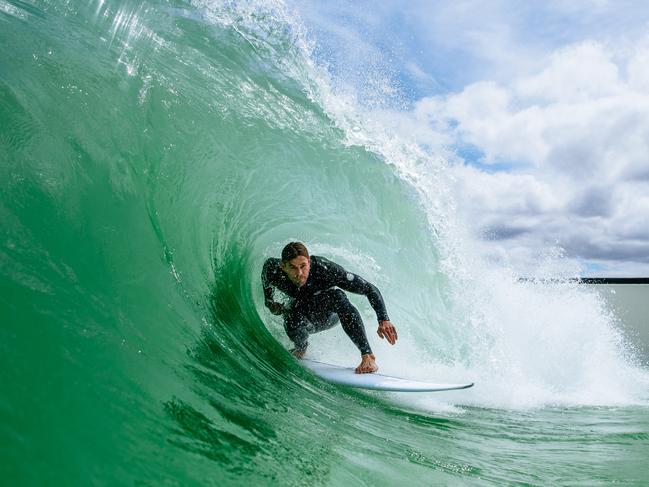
(293, 250)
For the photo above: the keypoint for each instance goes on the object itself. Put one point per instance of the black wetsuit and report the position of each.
(315, 305)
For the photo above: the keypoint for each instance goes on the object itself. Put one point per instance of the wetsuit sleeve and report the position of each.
(357, 285)
(266, 281)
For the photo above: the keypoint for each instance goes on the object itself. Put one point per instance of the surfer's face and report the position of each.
(297, 270)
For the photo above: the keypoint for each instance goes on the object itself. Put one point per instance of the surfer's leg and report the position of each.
(322, 321)
(296, 328)
(336, 301)
(319, 313)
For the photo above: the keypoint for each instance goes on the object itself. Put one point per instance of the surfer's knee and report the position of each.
(293, 323)
(340, 300)
(344, 308)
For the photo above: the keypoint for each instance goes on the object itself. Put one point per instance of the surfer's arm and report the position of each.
(266, 282)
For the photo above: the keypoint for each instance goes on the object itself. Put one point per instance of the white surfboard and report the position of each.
(346, 376)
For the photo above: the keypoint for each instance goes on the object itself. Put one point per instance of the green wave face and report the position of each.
(153, 154)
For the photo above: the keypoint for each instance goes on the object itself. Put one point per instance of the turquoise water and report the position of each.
(153, 155)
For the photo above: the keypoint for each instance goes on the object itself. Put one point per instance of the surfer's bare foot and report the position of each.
(368, 364)
(298, 353)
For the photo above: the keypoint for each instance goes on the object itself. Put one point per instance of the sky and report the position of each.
(541, 108)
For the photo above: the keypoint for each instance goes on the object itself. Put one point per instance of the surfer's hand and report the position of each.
(388, 331)
(275, 308)
(367, 365)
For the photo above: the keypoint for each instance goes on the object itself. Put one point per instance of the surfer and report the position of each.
(315, 286)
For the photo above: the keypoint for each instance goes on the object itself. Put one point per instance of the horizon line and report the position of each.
(591, 280)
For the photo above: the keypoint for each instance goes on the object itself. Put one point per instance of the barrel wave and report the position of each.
(154, 154)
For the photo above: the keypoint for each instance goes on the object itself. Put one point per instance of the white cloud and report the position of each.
(493, 192)
(576, 73)
(578, 132)
(639, 69)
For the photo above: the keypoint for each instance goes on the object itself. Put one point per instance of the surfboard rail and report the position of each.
(346, 376)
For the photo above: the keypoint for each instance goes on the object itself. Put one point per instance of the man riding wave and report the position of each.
(315, 286)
